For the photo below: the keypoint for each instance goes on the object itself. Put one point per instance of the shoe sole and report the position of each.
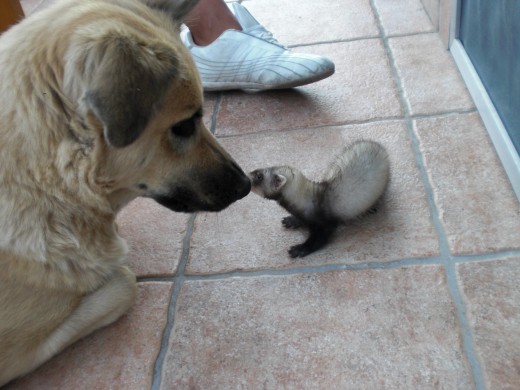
(214, 87)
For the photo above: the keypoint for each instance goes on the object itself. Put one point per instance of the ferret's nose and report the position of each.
(256, 177)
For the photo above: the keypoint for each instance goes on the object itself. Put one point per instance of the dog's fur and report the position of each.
(99, 103)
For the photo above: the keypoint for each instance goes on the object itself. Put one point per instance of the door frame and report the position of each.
(506, 151)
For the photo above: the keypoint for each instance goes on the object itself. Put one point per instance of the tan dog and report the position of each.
(99, 103)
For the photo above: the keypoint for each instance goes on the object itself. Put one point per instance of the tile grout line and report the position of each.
(376, 265)
(178, 280)
(428, 14)
(35, 8)
(436, 115)
(214, 114)
(360, 38)
(315, 127)
(492, 256)
(333, 41)
(447, 258)
(316, 269)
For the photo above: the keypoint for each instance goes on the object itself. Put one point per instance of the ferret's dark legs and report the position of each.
(318, 238)
(291, 222)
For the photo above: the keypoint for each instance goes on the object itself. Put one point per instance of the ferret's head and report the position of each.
(270, 182)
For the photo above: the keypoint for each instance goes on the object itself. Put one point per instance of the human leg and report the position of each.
(247, 57)
(209, 19)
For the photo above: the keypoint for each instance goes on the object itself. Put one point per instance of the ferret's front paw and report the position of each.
(299, 251)
(291, 222)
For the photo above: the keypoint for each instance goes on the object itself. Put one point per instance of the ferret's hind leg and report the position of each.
(318, 238)
(291, 222)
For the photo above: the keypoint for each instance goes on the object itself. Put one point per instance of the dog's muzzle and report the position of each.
(212, 192)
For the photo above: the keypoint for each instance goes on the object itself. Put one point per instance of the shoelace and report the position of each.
(262, 33)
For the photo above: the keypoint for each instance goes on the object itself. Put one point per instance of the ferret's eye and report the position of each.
(259, 176)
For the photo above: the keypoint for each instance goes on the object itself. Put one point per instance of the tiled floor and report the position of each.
(422, 295)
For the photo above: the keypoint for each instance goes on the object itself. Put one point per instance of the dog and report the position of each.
(100, 103)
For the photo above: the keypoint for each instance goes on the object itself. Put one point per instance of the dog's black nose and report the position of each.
(242, 185)
(243, 188)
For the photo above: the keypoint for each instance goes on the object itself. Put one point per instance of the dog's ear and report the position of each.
(178, 9)
(129, 80)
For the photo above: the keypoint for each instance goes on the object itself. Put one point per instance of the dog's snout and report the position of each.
(242, 184)
(244, 188)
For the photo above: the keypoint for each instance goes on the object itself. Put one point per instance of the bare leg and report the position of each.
(209, 19)
(220, 41)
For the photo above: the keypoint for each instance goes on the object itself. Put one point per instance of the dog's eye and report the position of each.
(185, 128)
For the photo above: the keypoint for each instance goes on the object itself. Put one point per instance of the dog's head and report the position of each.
(141, 89)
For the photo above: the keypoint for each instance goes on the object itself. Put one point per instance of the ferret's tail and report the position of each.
(357, 178)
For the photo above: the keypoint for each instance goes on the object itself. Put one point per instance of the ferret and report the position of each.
(354, 182)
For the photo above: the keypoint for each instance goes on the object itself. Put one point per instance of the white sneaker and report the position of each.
(252, 59)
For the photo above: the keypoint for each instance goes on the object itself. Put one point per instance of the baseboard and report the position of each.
(505, 149)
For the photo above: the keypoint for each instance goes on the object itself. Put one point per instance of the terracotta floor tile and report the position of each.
(370, 329)
(30, 5)
(120, 356)
(430, 79)
(492, 296)
(210, 101)
(332, 20)
(154, 235)
(362, 88)
(432, 7)
(393, 328)
(445, 11)
(403, 17)
(476, 203)
(249, 234)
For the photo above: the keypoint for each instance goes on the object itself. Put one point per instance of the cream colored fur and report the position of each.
(357, 178)
(73, 77)
(299, 190)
